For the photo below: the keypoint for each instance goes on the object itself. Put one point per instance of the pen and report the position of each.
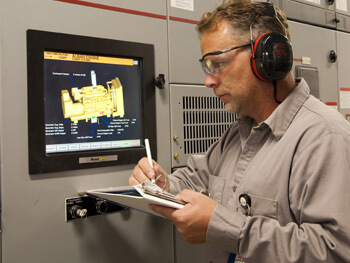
(149, 156)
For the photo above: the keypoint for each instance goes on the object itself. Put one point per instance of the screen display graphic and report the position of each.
(91, 102)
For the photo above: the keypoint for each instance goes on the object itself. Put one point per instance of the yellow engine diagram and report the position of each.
(94, 101)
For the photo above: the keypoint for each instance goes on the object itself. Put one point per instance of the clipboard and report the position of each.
(138, 197)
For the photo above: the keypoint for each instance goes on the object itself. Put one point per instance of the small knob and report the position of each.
(333, 56)
(176, 156)
(175, 138)
(160, 81)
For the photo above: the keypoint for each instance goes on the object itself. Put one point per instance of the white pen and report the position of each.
(149, 156)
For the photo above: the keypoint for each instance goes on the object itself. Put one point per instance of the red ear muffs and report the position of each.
(272, 57)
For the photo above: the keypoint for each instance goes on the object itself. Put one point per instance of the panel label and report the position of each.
(344, 98)
(183, 4)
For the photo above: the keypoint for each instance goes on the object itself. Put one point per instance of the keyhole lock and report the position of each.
(333, 56)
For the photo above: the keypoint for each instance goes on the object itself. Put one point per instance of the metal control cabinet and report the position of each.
(33, 210)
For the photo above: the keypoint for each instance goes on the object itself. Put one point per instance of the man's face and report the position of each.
(235, 83)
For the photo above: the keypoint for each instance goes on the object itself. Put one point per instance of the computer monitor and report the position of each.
(91, 101)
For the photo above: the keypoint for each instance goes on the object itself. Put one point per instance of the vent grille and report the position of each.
(204, 121)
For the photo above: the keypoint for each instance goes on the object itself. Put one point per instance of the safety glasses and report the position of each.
(214, 62)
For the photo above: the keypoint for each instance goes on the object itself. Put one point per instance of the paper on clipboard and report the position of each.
(136, 197)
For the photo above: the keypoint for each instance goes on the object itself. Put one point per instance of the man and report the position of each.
(278, 179)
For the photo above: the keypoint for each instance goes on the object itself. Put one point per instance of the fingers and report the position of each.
(189, 196)
(192, 220)
(133, 181)
(167, 212)
(146, 168)
(142, 172)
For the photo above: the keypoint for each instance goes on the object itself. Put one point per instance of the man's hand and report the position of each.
(144, 172)
(192, 220)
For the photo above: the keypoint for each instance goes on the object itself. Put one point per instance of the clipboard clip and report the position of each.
(153, 188)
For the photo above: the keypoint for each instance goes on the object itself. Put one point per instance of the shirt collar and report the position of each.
(283, 115)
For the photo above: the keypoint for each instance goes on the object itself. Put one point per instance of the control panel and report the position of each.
(85, 206)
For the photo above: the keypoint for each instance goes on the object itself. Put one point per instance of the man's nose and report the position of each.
(211, 81)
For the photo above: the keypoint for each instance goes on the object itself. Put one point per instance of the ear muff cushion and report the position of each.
(273, 57)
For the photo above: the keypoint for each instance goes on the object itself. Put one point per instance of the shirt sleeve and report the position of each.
(319, 201)
(195, 175)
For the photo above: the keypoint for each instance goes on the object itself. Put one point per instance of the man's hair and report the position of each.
(240, 14)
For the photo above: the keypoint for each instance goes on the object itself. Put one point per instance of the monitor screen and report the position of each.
(88, 99)
(91, 102)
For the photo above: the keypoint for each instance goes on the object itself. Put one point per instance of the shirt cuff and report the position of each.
(224, 229)
(174, 187)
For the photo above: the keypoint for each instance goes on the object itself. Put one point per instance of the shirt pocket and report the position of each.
(216, 187)
(261, 206)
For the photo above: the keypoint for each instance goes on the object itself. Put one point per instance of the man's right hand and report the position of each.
(144, 172)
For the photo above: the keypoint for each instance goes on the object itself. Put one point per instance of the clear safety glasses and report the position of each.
(214, 62)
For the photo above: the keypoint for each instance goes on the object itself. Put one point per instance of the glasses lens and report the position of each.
(214, 64)
(207, 66)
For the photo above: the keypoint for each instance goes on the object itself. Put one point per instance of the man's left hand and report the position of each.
(192, 220)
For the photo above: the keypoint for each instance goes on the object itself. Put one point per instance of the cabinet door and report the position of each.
(311, 12)
(311, 48)
(343, 43)
(184, 43)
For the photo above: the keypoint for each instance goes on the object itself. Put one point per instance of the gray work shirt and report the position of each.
(295, 167)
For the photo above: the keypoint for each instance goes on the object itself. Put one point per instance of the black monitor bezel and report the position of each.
(40, 41)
